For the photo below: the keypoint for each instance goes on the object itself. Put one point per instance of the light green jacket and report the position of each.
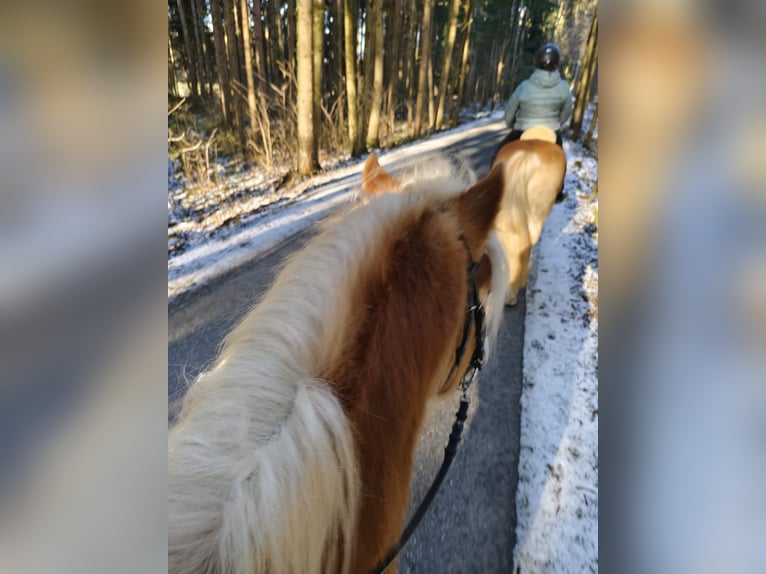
(542, 100)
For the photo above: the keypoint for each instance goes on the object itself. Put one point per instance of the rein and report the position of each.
(475, 318)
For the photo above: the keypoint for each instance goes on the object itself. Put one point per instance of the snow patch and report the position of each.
(557, 497)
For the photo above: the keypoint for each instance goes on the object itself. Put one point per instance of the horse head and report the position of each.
(294, 452)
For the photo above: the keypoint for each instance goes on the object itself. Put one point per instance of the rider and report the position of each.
(543, 99)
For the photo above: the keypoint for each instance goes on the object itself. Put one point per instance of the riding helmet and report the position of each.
(547, 57)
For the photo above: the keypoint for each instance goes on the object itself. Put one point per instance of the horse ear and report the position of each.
(375, 180)
(478, 207)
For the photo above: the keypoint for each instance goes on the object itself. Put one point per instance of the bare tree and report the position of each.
(188, 42)
(172, 77)
(338, 36)
(275, 41)
(425, 59)
(375, 29)
(351, 97)
(231, 34)
(411, 60)
(430, 93)
(198, 12)
(394, 21)
(251, 111)
(449, 44)
(464, 58)
(307, 161)
(290, 27)
(230, 30)
(588, 70)
(515, 27)
(369, 61)
(318, 55)
(260, 56)
(221, 63)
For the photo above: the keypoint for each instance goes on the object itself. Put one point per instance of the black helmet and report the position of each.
(547, 57)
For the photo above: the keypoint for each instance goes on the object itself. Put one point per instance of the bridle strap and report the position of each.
(474, 316)
(449, 455)
(475, 319)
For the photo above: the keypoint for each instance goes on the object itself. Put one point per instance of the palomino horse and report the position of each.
(534, 168)
(293, 453)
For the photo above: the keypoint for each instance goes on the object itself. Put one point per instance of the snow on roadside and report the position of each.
(557, 497)
(261, 232)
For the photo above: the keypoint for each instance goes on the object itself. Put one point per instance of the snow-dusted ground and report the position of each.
(557, 498)
(258, 221)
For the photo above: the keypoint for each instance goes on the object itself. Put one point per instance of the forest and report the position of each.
(286, 85)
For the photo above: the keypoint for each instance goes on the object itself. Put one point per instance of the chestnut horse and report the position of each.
(534, 168)
(293, 453)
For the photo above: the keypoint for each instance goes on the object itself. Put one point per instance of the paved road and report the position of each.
(470, 527)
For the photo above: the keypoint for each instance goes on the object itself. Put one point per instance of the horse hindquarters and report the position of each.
(239, 504)
(512, 223)
(543, 187)
(534, 172)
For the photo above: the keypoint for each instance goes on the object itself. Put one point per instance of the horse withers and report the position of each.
(534, 168)
(293, 453)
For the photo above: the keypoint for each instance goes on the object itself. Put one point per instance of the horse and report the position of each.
(293, 453)
(534, 168)
(376, 180)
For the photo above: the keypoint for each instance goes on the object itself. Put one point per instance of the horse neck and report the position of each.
(410, 307)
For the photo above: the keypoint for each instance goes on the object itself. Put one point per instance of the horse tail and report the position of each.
(245, 499)
(498, 290)
(520, 164)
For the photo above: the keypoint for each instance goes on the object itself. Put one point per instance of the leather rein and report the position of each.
(474, 318)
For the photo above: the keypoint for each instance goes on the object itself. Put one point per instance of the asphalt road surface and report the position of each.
(470, 527)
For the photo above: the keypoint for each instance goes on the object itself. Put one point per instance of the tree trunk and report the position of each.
(260, 56)
(425, 58)
(318, 55)
(221, 64)
(411, 59)
(238, 23)
(376, 31)
(251, 111)
(392, 41)
(234, 67)
(464, 60)
(275, 42)
(368, 57)
(307, 161)
(472, 79)
(497, 79)
(431, 112)
(351, 99)
(231, 35)
(202, 64)
(193, 73)
(454, 9)
(172, 77)
(338, 37)
(290, 31)
(586, 77)
(515, 39)
(272, 71)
